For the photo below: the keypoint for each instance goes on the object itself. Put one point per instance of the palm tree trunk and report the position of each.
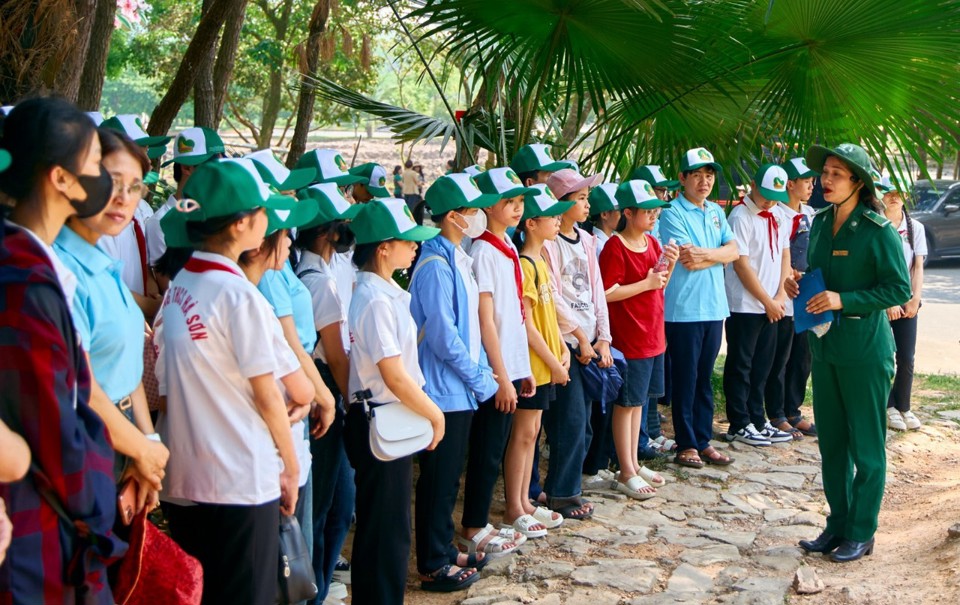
(318, 23)
(95, 68)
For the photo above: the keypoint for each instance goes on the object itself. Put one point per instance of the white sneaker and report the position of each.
(749, 435)
(895, 421)
(775, 435)
(912, 422)
(338, 590)
(594, 482)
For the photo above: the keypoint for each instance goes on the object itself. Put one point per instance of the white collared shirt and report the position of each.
(156, 245)
(753, 240)
(381, 326)
(327, 306)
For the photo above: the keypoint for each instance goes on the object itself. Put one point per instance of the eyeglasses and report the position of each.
(135, 190)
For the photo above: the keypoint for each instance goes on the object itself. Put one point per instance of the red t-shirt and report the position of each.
(636, 323)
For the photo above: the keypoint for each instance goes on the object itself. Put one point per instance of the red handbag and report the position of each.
(155, 570)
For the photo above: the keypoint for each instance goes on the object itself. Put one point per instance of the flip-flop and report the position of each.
(442, 581)
(688, 460)
(633, 486)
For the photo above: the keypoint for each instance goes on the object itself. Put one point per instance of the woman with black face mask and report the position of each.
(54, 173)
(333, 488)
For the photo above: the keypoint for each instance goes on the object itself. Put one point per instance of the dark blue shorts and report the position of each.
(644, 380)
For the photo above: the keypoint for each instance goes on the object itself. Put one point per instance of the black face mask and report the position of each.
(345, 238)
(99, 189)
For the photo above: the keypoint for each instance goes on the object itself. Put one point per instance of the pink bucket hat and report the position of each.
(568, 180)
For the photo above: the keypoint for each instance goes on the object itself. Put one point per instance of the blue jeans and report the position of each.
(693, 351)
(566, 424)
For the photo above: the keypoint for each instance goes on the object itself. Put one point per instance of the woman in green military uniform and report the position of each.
(861, 257)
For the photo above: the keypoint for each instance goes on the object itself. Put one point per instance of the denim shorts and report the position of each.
(644, 380)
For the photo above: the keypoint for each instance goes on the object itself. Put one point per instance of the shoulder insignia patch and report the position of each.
(876, 218)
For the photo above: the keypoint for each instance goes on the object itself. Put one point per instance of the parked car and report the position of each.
(936, 204)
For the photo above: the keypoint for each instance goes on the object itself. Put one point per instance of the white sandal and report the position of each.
(633, 486)
(523, 523)
(654, 478)
(546, 517)
(495, 545)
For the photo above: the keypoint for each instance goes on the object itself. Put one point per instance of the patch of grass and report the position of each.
(941, 389)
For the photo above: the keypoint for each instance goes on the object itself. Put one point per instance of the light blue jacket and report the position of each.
(439, 307)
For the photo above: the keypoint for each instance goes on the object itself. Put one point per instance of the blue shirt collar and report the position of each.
(90, 257)
(688, 205)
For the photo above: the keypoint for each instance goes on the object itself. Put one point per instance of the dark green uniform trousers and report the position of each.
(849, 405)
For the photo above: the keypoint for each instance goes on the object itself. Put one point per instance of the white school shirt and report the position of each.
(327, 306)
(575, 289)
(156, 245)
(753, 241)
(787, 213)
(919, 241)
(495, 274)
(345, 274)
(465, 267)
(601, 239)
(123, 247)
(382, 326)
(218, 331)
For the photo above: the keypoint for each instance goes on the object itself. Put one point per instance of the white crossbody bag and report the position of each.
(396, 430)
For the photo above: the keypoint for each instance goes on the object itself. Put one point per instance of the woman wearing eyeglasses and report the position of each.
(109, 321)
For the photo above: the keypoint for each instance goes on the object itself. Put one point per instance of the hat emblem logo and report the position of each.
(138, 123)
(185, 145)
(649, 190)
(778, 183)
(406, 211)
(187, 205)
(340, 163)
(703, 154)
(383, 181)
(512, 176)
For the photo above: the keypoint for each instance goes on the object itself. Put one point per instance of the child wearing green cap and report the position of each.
(384, 369)
(634, 284)
(604, 213)
(221, 350)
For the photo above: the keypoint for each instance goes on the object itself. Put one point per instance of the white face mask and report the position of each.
(476, 224)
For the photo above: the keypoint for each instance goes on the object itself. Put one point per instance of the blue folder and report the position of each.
(810, 285)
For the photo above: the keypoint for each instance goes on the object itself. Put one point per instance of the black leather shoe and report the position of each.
(824, 543)
(851, 551)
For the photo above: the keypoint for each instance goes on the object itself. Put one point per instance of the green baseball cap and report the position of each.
(5, 159)
(854, 156)
(535, 157)
(131, 126)
(458, 190)
(275, 174)
(603, 198)
(230, 186)
(196, 145)
(637, 193)
(331, 205)
(328, 167)
(772, 179)
(174, 224)
(540, 201)
(474, 169)
(888, 184)
(697, 158)
(652, 174)
(384, 219)
(151, 178)
(502, 182)
(374, 178)
(797, 169)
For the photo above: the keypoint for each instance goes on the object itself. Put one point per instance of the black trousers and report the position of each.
(598, 454)
(381, 543)
(905, 336)
(237, 546)
(751, 342)
(489, 432)
(437, 490)
(776, 382)
(796, 375)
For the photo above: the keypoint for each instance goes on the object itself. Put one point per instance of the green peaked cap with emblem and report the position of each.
(502, 182)
(603, 198)
(854, 156)
(771, 180)
(196, 145)
(131, 126)
(637, 193)
(384, 219)
(797, 169)
(457, 190)
(328, 167)
(540, 201)
(697, 158)
(375, 178)
(652, 174)
(275, 174)
(332, 206)
(536, 156)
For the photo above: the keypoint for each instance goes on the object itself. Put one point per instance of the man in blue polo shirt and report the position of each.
(696, 304)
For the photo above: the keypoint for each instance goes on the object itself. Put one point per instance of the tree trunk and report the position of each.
(203, 40)
(67, 82)
(943, 156)
(95, 69)
(308, 96)
(226, 57)
(956, 166)
(204, 109)
(272, 101)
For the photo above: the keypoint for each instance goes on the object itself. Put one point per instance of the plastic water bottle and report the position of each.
(662, 263)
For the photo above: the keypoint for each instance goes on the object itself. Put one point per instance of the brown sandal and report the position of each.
(712, 456)
(688, 458)
(786, 427)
